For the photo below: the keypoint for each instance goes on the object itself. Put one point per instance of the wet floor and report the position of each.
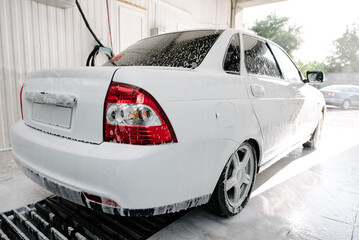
(16, 190)
(306, 195)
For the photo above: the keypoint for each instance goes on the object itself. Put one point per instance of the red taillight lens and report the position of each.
(101, 200)
(133, 116)
(332, 94)
(22, 113)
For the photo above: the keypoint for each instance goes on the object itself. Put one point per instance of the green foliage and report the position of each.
(279, 30)
(313, 65)
(345, 57)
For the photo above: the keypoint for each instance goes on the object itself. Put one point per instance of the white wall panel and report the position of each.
(36, 36)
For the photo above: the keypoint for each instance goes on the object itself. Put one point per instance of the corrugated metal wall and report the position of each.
(36, 36)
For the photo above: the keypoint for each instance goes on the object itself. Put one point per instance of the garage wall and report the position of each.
(36, 36)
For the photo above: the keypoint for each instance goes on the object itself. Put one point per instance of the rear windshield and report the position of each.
(181, 49)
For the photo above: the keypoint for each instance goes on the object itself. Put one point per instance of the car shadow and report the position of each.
(272, 170)
(338, 109)
(279, 214)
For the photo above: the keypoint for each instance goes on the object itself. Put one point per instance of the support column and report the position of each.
(239, 18)
(233, 13)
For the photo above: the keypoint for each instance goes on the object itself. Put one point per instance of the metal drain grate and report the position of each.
(58, 219)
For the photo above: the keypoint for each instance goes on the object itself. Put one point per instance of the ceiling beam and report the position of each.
(253, 3)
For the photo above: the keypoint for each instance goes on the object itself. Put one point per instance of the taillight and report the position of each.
(101, 200)
(133, 116)
(332, 94)
(22, 114)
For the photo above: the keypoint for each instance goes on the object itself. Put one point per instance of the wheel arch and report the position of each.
(347, 99)
(324, 110)
(254, 143)
(256, 147)
(217, 193)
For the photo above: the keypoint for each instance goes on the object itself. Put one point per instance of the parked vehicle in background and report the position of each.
(174, 121)
(344, 96)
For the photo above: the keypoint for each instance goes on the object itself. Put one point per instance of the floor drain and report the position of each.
(58, 219)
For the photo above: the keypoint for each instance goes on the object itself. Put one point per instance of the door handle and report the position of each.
(257, 90)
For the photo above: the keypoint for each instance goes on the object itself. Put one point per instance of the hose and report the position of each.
(91, 58)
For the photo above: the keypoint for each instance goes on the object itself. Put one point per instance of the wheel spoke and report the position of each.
(245, 159)
(230, 183)
(237, 193)
(246, 179)
(235, 160)
(244, 195)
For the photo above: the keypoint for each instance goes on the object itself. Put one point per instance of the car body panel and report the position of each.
(276, 103)
(54, 88)
(354, 97)
(336, 94)
(283, 108)
(136, 177)
(212, 112)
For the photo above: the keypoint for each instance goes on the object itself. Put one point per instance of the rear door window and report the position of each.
(259, 59)
(233, 56)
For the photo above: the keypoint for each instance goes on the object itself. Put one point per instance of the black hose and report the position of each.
(92, 56)
(87, 24)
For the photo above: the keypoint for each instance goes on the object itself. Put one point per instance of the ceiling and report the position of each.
(252, 3)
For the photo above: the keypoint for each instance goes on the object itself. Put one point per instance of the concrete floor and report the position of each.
(306, 195)
(16, 190)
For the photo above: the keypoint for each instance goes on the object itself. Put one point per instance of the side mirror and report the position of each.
(315, 77)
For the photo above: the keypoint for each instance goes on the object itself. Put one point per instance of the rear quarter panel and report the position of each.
(209, 111)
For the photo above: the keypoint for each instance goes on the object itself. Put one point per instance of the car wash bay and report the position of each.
(306, 195)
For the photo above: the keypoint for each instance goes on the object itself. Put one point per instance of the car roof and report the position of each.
(233, 31)
(215, 29)
(230, 30)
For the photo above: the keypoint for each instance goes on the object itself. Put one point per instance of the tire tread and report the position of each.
(217, 202)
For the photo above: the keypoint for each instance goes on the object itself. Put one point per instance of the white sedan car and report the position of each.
(174, 121)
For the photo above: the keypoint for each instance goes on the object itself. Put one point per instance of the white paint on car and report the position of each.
(212, 112)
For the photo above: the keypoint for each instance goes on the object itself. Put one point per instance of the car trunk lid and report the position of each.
(67, 102)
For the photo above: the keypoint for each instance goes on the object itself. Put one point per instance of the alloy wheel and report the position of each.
(239, 176)
(346, 105)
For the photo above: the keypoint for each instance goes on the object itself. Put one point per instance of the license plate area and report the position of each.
(55, 115)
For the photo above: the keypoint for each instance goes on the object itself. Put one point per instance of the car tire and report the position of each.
(346, 104)
(235, 184)
(316, 136)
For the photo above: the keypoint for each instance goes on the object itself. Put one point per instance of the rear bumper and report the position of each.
(77, 196)
(142, 180)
